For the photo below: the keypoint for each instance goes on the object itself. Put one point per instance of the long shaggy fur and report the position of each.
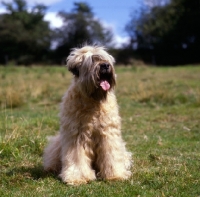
(89, 144)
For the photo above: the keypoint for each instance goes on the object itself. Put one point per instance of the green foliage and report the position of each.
(24, 35)
(174, 24)
(171, 30)
(160, 110)
(25, 38)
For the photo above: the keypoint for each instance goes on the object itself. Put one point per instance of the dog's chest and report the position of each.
(79, 115)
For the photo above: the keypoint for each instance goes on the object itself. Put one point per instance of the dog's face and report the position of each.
(93, 69)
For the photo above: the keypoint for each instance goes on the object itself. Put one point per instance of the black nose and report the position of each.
(104, 66)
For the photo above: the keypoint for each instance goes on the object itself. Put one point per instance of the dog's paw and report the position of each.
(77, 178)
(118, 175)
(75, 181)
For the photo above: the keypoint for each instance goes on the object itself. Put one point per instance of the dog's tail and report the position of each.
(51, 157)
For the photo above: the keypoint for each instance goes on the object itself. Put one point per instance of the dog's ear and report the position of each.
(74, 70)
(73, 65)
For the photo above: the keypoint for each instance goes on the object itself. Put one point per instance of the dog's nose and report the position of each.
(104, 66)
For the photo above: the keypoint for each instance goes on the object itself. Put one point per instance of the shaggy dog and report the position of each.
(89, 144)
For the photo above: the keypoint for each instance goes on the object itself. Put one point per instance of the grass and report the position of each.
(160, 110)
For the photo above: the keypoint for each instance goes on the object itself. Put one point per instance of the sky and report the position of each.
(112, 13)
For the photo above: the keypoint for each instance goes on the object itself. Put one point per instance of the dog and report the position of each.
(89, 144)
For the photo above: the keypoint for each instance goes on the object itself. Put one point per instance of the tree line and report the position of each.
(167, 34)
(163, 34)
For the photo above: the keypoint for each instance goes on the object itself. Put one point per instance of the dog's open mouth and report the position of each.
(105, 85)
(105, 76)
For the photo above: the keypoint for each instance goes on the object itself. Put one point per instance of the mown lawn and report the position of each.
(160, 110)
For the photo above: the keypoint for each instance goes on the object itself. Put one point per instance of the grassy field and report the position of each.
(160, 110)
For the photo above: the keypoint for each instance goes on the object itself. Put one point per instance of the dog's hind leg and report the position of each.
(51, 157)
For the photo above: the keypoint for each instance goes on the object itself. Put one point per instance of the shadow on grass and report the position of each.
(35, 172)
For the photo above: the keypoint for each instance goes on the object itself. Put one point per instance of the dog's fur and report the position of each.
(89, 144)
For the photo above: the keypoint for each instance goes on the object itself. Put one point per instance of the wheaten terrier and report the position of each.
(89, 144)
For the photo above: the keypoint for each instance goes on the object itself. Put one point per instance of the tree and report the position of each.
(24, 35)
(171, 29)
(80, 26)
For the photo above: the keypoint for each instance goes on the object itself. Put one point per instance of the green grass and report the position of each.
(160, 110)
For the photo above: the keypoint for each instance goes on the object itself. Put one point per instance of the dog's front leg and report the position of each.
(113, 160)
(76, 163)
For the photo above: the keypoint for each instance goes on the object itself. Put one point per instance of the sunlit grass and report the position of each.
(160, 110)
(24, 85)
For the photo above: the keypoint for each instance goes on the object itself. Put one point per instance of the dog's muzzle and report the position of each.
(104, 68)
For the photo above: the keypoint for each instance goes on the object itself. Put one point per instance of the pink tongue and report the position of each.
(105, 85)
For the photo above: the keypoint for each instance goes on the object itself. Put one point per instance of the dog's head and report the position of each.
(93, 69)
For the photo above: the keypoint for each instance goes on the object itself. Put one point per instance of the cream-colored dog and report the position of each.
(89, 144)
